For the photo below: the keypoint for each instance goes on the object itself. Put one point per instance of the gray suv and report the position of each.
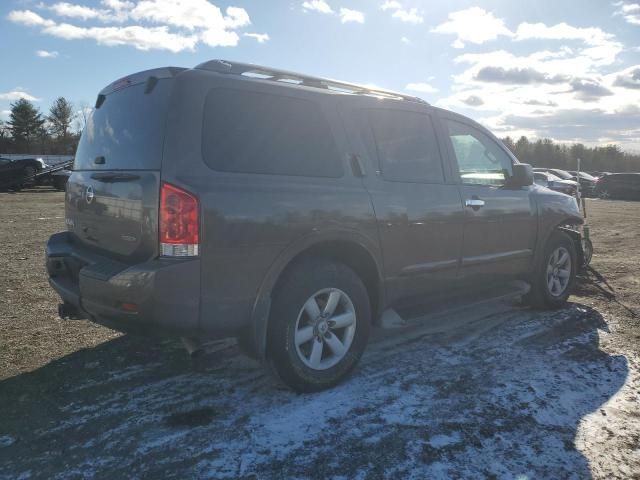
(294, 213)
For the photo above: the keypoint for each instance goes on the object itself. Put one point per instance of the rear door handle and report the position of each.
(474, 203)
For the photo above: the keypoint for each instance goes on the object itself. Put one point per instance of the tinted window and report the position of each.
(127, 130)
(406, 146)
(254, 132)
(481, 161)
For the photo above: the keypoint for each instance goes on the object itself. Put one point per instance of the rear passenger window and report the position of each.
(407, 146)
(251, 132)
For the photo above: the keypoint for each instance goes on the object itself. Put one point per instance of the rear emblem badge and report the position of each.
(89, 195)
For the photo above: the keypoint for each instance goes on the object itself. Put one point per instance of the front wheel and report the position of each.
(319, 325)
(555, 273)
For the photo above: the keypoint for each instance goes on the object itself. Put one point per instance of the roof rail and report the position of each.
(276, 75)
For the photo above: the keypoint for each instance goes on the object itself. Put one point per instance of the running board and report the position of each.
(426, 313)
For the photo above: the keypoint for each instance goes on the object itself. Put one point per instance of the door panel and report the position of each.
(500, 222)
(419, 215)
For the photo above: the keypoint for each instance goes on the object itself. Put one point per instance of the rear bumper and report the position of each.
(164, 291)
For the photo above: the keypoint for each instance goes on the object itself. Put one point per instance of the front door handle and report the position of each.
(474, 203)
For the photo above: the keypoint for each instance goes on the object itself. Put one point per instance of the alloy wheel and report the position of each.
(325, 328)
(558, 271)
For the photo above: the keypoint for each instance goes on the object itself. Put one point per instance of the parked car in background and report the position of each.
(549, 180)
(16, 174)
(59, 179)
(587, 182)
(598, 174)
(624, 186)
(259, 203)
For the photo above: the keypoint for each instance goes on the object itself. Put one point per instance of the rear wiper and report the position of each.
(108, 177)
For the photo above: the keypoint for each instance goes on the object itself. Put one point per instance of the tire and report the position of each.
(604, 194)
(326, 284)
(541, 294)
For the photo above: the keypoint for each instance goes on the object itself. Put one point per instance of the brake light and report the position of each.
(179, 222)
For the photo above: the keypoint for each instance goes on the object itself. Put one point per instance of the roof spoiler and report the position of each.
(141, 77)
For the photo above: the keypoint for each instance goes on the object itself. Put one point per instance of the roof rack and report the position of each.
(276, 75)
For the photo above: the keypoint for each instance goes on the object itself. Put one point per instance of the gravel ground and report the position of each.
(501, 392)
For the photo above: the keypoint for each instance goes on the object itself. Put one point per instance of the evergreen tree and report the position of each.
(60, 117)
(25, 123)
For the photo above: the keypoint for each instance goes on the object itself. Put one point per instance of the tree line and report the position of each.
(547, 153)
(30, 131)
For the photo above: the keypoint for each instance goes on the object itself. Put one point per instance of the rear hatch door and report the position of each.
(113, 193)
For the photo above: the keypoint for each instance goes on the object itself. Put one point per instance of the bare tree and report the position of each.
(82, 116)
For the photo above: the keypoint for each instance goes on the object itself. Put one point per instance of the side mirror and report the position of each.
(522, 175)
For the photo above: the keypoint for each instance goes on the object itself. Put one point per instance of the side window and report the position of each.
(406, 146)
(252, 132)
(480, 159)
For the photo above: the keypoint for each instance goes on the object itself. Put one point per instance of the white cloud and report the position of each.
(173, 25)
(64, 9)
(559, 92)
(17, 94)
(406, 41)
(46, 54)
(317, 5)
(260, 37)
(603, 48)
(420, 87)
(191, 15)
(399, 12)
(629, 11)
(347, 15)
(474, 25)
(409, 16)
(391, 5)
(27, 17)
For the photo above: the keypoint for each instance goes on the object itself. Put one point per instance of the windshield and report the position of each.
(553, 178)
(127, 130)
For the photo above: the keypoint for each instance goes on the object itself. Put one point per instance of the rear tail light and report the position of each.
(179, 222)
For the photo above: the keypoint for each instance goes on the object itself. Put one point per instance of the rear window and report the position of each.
(251, 132)
(127, 130)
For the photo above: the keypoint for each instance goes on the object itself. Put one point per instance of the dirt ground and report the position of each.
(503, 393)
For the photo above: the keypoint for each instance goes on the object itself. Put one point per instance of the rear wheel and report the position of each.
(604, 194)
(319, 325)
(555, 273)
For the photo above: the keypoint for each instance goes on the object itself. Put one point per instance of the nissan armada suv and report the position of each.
(294, 213)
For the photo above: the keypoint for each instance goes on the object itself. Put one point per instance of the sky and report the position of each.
(564, 69)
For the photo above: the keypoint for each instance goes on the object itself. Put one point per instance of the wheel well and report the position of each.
(575, 237)
(353, 256)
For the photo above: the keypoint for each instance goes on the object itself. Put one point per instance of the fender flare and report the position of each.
(565, 226)
(258, 325)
